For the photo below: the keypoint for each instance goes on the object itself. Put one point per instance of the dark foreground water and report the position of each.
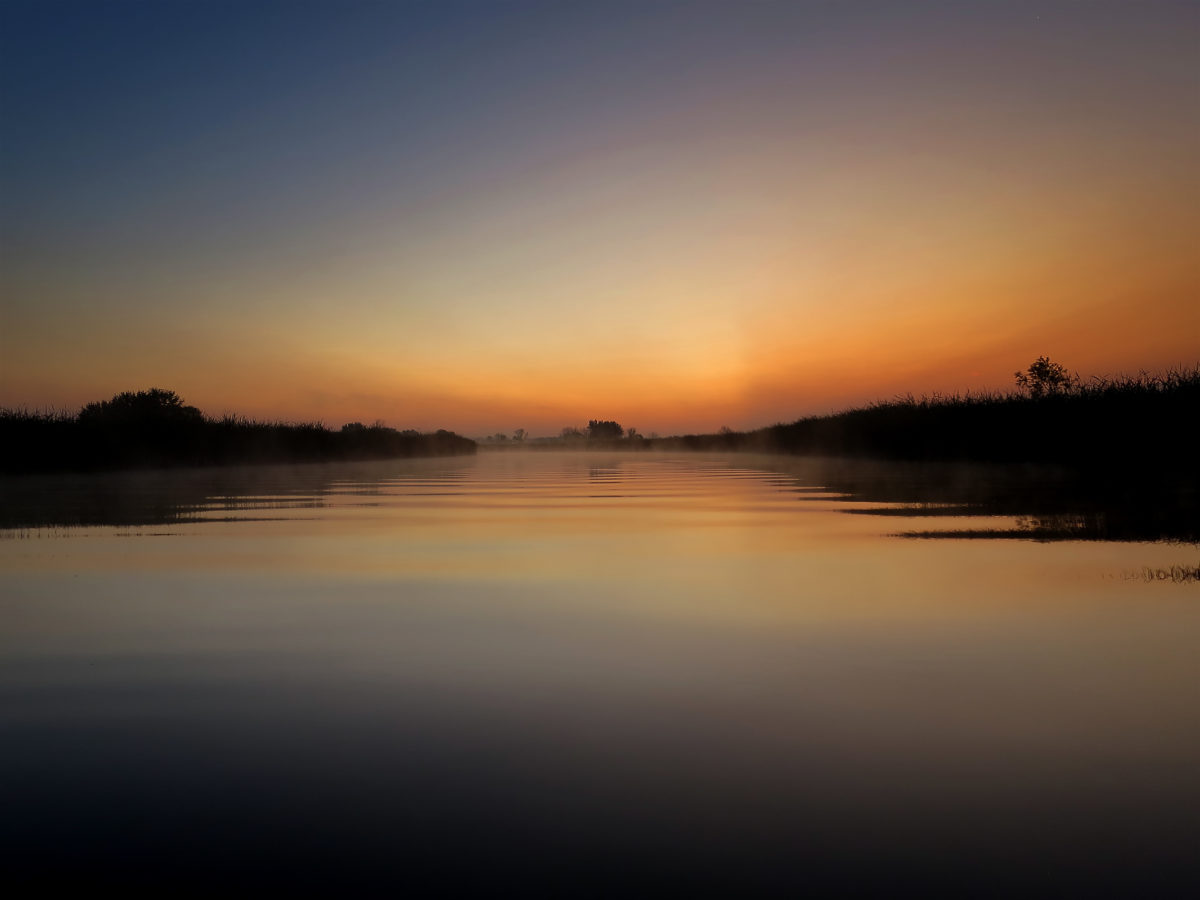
(582, 673)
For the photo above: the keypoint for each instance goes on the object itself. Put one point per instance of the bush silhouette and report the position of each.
(155, 406)
(1044, 378)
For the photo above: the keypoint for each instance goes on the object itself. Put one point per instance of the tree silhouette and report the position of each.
(604, 430)
(155, 406)
(1044, 378)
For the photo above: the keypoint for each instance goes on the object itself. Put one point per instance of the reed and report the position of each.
(1144, 419)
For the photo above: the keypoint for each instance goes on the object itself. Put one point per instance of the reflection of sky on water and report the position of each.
(614, 672)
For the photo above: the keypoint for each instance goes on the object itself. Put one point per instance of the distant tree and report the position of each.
(1044, 378)
(519, 434)
(499, 437)
(598, 430)
(571, 434)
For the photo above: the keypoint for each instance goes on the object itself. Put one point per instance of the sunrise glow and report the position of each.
(484, 217)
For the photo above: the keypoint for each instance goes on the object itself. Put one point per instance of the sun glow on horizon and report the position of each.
(695, 218)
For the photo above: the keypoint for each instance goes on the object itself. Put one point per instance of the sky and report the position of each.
(501, 215)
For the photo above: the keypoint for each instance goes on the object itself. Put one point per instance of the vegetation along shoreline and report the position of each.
(1051, 417)
(155, 429)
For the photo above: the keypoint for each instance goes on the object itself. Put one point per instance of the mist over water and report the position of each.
(598, 672)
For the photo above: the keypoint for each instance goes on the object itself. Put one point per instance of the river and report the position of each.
(592, 673)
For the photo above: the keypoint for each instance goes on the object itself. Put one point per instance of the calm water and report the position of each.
(595, 673)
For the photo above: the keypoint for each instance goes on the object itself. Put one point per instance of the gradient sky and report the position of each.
(484, 216)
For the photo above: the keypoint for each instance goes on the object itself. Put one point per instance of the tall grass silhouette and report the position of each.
(1143, 419)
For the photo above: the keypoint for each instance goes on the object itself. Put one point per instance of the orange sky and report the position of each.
(698, 218)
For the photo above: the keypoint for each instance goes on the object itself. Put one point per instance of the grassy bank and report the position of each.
(1143, 420)
(150, 429)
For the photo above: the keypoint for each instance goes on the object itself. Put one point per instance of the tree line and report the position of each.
(597, 433)
(155, 428)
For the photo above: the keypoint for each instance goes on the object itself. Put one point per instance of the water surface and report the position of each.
(594, 672)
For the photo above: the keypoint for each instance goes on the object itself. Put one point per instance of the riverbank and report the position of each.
(1146, 420)
(154, 429)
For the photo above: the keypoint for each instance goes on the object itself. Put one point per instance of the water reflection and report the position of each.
(1177, 574)
(180, 496)
(965, 501)
(586, 673)
(999, 501)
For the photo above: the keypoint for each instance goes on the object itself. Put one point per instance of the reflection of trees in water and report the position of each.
(178, 496)
(1039, 503)
(1045, 503)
